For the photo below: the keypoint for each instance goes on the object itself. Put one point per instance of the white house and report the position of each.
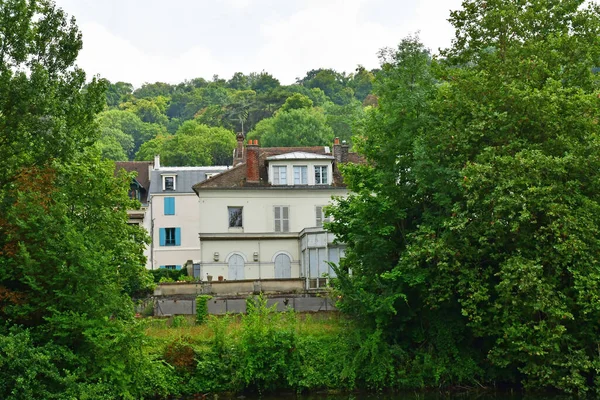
(263, 219)
(173, 215)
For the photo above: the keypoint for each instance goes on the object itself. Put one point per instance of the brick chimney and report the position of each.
(252, 167)
(337, 150)
(238, 153)
(345, 149)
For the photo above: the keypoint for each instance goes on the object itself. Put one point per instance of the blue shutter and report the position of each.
(169, 205)
(178, 267)
(162, 236)
(177, 236)
(161, 267)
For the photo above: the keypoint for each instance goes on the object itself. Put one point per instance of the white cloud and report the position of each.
(284, 39)
(117, 59)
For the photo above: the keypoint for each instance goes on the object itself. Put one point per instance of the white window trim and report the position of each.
(233, 253)
(294, 174)
(327, 169)
(277, 174)
(282, 252)
(174, 176)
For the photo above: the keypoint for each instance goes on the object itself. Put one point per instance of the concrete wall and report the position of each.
(236, 306)
(244, 287)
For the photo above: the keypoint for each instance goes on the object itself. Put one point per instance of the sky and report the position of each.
(140, 41)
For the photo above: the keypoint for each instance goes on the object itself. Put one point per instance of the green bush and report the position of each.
(168, 275)
(202, 308)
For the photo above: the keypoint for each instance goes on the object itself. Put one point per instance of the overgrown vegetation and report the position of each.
(265, 351)
(472, 232)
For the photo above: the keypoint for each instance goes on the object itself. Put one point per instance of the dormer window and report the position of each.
(169, 182)
(321, 175)
(280, 175)
(300, 175)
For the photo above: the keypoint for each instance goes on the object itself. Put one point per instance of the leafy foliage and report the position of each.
(480, 206)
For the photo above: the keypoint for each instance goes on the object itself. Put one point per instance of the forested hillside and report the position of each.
(195, 122)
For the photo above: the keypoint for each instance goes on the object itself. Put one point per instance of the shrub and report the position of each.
(202, 308)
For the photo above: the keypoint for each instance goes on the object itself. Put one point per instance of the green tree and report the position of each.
(129, 125)
(116, 93)
(194, 144)
(301, 127)
(496, 233)
(296, 102)
(44, 114)
(66, 251)
(115, 145)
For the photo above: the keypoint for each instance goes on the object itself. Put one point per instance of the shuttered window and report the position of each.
(282, 221)
(169, 205)
(169, 236)
(320, 216)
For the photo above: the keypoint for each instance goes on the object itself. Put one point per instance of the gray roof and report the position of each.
(186, 177)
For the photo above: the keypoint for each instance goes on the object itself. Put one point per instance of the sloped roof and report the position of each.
(142, 178)
(235, 178)
(185, 177)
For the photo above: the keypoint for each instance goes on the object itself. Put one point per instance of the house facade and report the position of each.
(174, 215)
(263, 219)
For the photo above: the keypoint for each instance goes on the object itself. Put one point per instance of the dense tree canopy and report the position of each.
(69, 262)
(297, 127)
(476, 225)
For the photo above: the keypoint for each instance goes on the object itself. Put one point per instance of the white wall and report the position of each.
(187, 216)
(258, 205)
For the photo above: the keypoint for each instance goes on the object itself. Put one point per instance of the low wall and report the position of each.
(220, 306)
(231, 288)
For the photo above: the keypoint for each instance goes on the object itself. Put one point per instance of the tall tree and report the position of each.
(66, 251)
(494, 244)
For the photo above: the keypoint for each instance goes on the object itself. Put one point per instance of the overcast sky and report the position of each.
(141, 41)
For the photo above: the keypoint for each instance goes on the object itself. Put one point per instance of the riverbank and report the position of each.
(264, 351)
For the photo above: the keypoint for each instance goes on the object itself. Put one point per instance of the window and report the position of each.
(169, 205)
(177, 267)
(320, 175)
(235, 217)
(300, 175)
(168, 182)
(280, 175)
(169, 236)
(282, 221)
(320, 216)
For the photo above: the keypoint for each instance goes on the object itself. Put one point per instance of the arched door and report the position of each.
(236, 267)
(283, 266)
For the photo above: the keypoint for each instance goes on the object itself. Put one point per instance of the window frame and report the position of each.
(239, 218)
(277, 174)
(323, 178)
(164, 182)
(300, 168)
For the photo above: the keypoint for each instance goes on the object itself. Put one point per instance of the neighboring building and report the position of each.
(263, 218)
(139, 190)
(174, 214)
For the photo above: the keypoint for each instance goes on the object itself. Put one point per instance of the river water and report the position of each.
(487, 395)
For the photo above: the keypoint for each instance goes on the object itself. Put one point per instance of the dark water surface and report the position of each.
(485, 395)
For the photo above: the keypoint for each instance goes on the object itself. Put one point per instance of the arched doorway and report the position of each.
(283, 266)
(236, 267)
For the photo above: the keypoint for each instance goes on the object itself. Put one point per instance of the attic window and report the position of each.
(169, 183)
